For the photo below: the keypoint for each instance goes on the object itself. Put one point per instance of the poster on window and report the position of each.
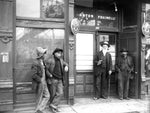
(53, 8)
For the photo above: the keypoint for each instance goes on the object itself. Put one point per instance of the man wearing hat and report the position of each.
(103, 65)
(56, 67)
(124, 67)
(39, 80)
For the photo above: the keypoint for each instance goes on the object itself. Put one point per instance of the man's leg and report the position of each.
(98, 87)
(59, 93)
(120, 85)
(104, 83)
(45, 98)
(126, 86)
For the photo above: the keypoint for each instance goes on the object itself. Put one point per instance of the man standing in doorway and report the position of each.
(103, 65)
(56, 67)
(124, 67)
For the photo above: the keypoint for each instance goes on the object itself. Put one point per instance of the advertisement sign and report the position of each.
(106, 21)
(146, 29)
(75, 26)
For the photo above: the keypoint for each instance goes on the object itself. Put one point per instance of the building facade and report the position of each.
(24, 25)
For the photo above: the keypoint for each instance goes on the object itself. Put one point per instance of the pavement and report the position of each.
(110, 105)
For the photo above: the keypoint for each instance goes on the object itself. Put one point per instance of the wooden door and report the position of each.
(129, 40)
(84, 64)
(6, 63)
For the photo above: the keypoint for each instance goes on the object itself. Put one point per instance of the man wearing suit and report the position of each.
(124, 67)
(39, 80)
(55, 78)
(103, 63)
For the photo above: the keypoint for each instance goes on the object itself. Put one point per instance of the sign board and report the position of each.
(86, 16)
(106, 21)
(75, 26)
(146, 29)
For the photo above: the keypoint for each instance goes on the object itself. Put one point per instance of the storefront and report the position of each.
(46, 23)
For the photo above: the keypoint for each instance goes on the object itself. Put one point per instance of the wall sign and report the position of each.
(86, 16)
(146, 29)
(106, 21)
(75, 26)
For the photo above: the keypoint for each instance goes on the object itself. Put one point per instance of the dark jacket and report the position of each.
(99, 56)
(36, 71)
(50, 64)
(130, 64)
(119, 64)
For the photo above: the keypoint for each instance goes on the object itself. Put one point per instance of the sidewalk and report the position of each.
(111, 105)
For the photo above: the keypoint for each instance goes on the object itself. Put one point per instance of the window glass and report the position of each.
(27, 39)
(28, 8)
(53, 8)
(84, 52)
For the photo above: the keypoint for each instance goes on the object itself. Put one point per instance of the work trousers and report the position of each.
(42, 96)
(101, 89)
(123, 84)
(56, 91)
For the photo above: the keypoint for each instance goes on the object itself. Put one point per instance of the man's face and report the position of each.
(105, 47)
(124, 54)
(58, 54)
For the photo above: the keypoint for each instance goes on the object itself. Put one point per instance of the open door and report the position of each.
(6, 62)
(129, 40)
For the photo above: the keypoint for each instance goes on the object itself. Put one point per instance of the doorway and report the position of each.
(111, 39)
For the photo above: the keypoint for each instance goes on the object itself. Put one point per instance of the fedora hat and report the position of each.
(123, 50)
(105, 43)
(57, 50)
(40, 52)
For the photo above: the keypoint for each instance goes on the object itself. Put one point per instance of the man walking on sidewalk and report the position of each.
(56, 67)
(103, 64)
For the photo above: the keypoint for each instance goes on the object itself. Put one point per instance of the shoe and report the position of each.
(95, 98)
(104, 97)
(127, 98)
(38, 111)
(53, 110)
(121, 98)
(53, 106)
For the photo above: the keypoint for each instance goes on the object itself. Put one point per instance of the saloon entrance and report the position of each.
(87, 45)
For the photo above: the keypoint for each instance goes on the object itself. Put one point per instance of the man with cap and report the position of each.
(39, 80)
(56, 67)
(124, 67)
(103, 65)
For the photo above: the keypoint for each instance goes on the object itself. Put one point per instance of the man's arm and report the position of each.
(35, 74)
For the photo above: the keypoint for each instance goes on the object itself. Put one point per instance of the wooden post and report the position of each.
(71, 51)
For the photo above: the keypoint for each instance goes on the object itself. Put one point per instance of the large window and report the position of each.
(27, 39)
(84, 52)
